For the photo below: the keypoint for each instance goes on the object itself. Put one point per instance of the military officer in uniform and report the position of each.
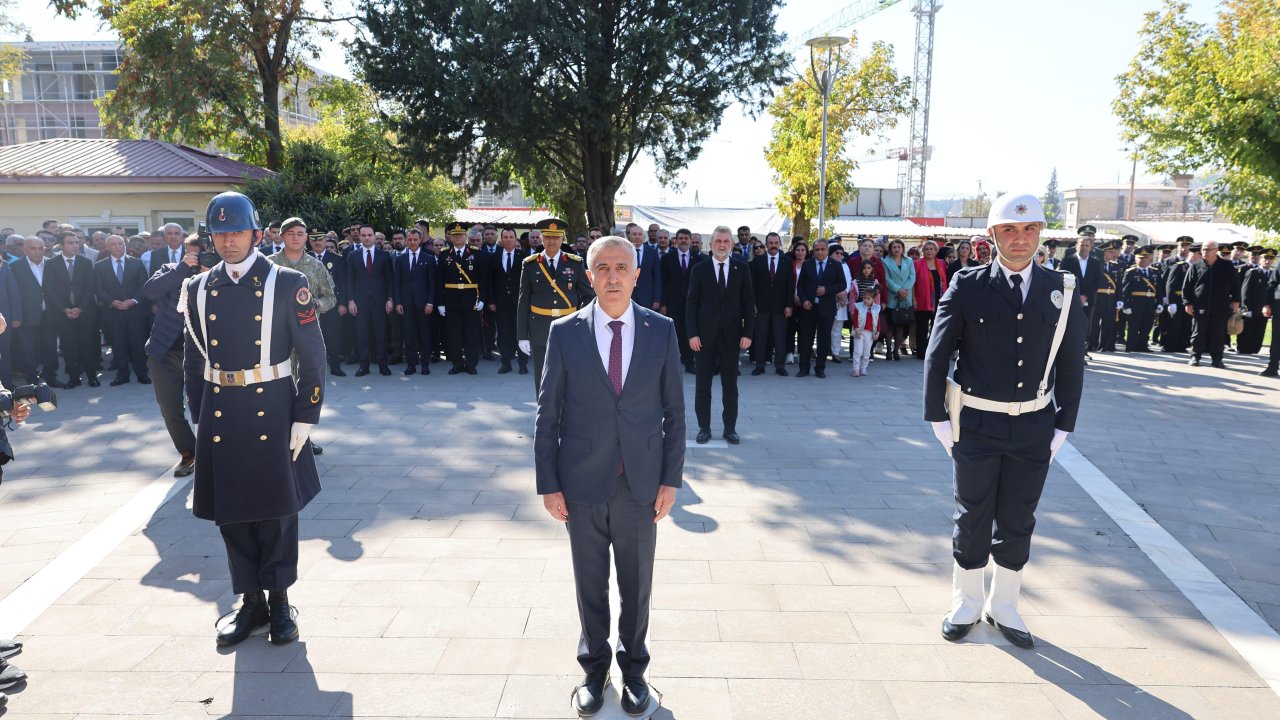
(331, 321)
(461, 289)
(1141, 301)
(254, 468)
(1177, 335)
(553, 284)
(1019, 329)
(1102, 325)
(1271, 311)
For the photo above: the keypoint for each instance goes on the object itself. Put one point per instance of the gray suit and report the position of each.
(583, 433)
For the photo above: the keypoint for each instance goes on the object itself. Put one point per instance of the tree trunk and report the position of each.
(271, 120)
(599, 201)
(799, 226)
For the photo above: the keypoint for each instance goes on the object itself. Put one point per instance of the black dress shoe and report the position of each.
(1017, 637)
(781, 371)
(953, 632)
(144, 380)
(704, 437)
(337, 372)
(456, 371)
(94, 382)
(384, 370)
(9, 647)
(588, 697)
(758, 371)
(119, 381)
(72, 384)
(1269, 372)
(10, 675)
(504, 369)
(472, 371)
(732, 438)
(1218, 364)
(362, 372)
(252, 615)
(804, 372)
(820, 373)
(411, 370)
(524, 370)
(283, 628)
(635, 696)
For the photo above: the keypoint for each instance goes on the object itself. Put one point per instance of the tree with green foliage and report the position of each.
(1052, 202)
(348, 168)
(867, 97)
(10, 57)
(206, 72)
(1197, 96)
(576, 90)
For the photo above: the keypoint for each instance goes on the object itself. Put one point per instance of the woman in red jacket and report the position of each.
(931, 282)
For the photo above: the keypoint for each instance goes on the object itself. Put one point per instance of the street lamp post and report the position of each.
(828, 43)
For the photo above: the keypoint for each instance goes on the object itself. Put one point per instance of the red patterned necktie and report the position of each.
(615, 368)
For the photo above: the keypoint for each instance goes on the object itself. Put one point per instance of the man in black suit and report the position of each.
(720, 316)
(170, 252)
(1211, 292)
(820, 286)
(11, 309)
(505, 265)
(69, 297)
(415, 296)
(676, 266)
(331, 321)
(775, 288)
(118, 281)
(36, 336)
(369, 281)
(1088, 272)
(648, 288)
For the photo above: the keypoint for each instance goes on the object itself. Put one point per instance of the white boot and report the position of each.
(966, 602)
(1001, 608)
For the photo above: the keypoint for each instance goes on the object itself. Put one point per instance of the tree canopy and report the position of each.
(867, 97)
(577, 90)
(1197, 96)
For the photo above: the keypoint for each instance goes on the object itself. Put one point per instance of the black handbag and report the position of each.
(903, 315)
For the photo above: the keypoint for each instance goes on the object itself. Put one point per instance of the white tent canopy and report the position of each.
(705, 219)
(1162, 232)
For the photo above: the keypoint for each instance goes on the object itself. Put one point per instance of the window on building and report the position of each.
(1141, 204)
(77, 127)
(84, 87)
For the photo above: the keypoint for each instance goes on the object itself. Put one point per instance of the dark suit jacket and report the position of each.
(582, 429)
(776, 294)
(1085, 286)
(1002, 357)
(648, 288)
(415, 289)
(30, 293)
(675, 281)
(1211, 287)
(832, 279)
(58, 285)
(336, 264)
(109, 288)
(369, 288)
(712, 311)
(504, 286)
(10, 296)
(159, 258)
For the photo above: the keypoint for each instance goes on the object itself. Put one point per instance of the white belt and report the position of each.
(1007, 408)
(240, 378)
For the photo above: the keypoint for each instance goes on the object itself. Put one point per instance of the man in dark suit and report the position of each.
(170, 253)
(721, 318)
(1088, 272)
(331, 321)
(1018, 335)
(648, 288)
(505, 265)
(118, 280)
(415, 297)
(609, 438)
(11, 309)
(69, 297)
(1211, 292)
(36, 336)
(676, 266)
(369, 285)
(820, 286)
(775, 288)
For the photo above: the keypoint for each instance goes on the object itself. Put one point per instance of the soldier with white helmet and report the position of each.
(1018, 328)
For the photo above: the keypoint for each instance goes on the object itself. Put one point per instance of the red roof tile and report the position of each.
(64, 160)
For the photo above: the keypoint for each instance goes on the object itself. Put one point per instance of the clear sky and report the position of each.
(1019, 87)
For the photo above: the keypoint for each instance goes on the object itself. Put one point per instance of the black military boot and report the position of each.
(283, 628)
(251, 616)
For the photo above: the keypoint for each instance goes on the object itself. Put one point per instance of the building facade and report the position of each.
(1174, 201)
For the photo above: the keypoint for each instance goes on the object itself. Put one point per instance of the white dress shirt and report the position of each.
(604, 337)
(1008, 274)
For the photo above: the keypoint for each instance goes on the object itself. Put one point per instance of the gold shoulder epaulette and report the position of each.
(571, 256)
(531, 258)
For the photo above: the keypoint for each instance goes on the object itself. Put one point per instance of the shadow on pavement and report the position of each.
(1114, 699)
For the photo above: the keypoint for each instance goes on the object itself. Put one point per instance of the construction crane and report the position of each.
(914, 161)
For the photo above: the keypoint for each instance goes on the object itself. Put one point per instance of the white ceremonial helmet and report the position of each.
(1015, 208)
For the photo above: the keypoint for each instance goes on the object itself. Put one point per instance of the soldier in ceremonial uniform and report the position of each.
(1271, 311)
(1019, 329)
(1178, 334)
(244, 319)
(1141, 301)
(1102, 325)
(331, 320)
(553, 284)
(461, 290)
(1253, 296)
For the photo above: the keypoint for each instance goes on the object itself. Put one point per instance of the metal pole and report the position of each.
(1133, 175)
(822, 178)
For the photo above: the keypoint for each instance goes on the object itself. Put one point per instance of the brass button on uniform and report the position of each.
(257, 342)
(1019, 339)
(214, 342)
(258, 293)
(258, 318)
(217, 413)
(212, 316)
(217, 438)
(259, 391)
(213, 293)
(217, 389)
(217, 366)
(261, 413)
(1019, 384)
(1019, 363)
(262, 437)
(258, 365)
(1019, 316)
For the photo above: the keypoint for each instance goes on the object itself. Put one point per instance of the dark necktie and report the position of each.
(1017, 289)
(684, 263)
(821, 267)
(120, 272)
(615, 367)
(722, 283)
(772, 266)
(368, 261)
(551, 265)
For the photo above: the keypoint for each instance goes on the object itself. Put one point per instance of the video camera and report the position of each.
(208, 257)
(39, 395)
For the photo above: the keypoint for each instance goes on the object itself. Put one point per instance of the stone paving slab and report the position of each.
(803, 575)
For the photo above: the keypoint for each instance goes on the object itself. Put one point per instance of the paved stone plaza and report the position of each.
(804, 575)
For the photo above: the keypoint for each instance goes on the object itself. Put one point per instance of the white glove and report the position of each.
(1119, 304)
(942, 431)
(1247, 313)
(441, 310)
(1128, 311)
(479, 305)
(1173, 310)
(298, 435)
(1059, 437)
(525, 347)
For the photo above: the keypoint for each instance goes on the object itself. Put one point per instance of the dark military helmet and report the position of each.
(231, 212)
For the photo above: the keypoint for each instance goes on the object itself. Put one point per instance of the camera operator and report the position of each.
(9, 675)
(165, 347)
